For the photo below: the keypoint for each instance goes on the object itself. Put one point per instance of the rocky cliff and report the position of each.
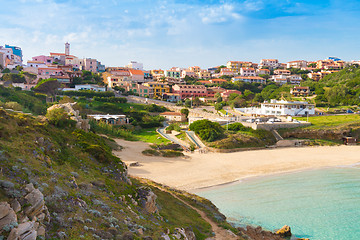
(65, 184)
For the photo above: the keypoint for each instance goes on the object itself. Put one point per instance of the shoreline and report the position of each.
(196, 171)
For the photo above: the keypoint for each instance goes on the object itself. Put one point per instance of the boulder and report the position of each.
(74, 115)
(15, 205)
(148, 200)
(7, 215)
(285, 231)
(36, 204)
(25, 231)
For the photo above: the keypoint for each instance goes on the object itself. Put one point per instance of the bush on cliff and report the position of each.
(207, 130)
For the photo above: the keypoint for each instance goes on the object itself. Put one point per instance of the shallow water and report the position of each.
(318, 204)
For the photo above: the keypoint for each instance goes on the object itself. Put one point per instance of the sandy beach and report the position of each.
(204, 170)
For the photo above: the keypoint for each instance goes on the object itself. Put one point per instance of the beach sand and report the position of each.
(204, 170)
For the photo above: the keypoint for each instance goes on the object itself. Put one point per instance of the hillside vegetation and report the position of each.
(86, 190)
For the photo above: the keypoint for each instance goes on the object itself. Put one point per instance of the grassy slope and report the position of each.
(49, 165)
(244, 139)
(326, 130)
(321, 122)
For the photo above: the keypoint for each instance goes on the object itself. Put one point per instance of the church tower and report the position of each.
(67, 49)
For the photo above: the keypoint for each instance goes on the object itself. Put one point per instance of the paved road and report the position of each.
(172, 138)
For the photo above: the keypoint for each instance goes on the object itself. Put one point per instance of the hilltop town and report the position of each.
(72, 129)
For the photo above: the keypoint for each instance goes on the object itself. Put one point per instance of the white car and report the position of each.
(250, 120)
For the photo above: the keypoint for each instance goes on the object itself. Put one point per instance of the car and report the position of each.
(251, 120)
(258, 120)
(277, 120)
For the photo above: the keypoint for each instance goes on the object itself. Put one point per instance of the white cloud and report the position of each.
(219, 14)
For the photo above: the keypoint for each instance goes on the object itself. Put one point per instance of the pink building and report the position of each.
(44, 59)
(188, 73)
(189, 91)
(48, 72)
(225, 95)
(136, 75)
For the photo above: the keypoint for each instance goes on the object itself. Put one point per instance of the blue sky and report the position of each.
(166, 33)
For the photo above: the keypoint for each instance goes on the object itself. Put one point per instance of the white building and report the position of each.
(270, 63)
(297, 64)
(283, 79)
(135, 65)
(247, 72)
(249, 79)
(281, 108)
(91, 87)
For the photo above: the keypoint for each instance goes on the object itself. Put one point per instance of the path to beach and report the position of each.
(203, 170)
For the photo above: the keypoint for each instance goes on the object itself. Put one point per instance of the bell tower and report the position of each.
(67, 49)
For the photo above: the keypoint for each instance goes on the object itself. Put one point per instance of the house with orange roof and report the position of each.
(203, 82)
(246, 72)
(297, 64)
(282, 72)
(263, 71)
(203, 74)
(195, 69)
(270, 63)
(217, 80)
(249, 79)
(136, 75)
(188, 73)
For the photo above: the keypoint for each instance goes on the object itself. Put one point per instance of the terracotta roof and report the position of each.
(51, 69)
(57, 54)
(136, 72)
(218, 80)
(172, 113)
(250, 78)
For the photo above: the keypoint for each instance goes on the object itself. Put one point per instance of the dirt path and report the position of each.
(220, 233)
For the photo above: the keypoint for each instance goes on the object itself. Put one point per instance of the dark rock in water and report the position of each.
(257, 233)
(285, 231)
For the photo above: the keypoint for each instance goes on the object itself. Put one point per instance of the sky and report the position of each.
(167, 33)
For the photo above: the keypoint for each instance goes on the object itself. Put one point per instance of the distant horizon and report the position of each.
(163, 34)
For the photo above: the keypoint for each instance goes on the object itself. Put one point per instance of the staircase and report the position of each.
(277, 136)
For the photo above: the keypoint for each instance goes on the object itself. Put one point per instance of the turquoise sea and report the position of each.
(317, 204)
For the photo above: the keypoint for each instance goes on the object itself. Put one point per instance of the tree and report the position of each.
(6, 70)
(312, 65)
(13, 77)
(218, 106)
(185, 111)
(196, 102)
(188, 103)
(59, 118)
(47, 86)
(207, 130)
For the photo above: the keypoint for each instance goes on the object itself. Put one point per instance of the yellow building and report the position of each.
(235, 66)
(158, 88)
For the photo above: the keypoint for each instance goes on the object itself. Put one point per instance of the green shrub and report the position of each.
(13, 105)
(237, 127)
(60, 118)
(207, 130)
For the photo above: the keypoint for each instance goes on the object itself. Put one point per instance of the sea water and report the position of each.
(316, 204)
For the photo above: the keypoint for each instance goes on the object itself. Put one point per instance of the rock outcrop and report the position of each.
(74, 115)
(285, 231)
(148, 200)
(23, 218)
(25, 231)
(7, 215)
